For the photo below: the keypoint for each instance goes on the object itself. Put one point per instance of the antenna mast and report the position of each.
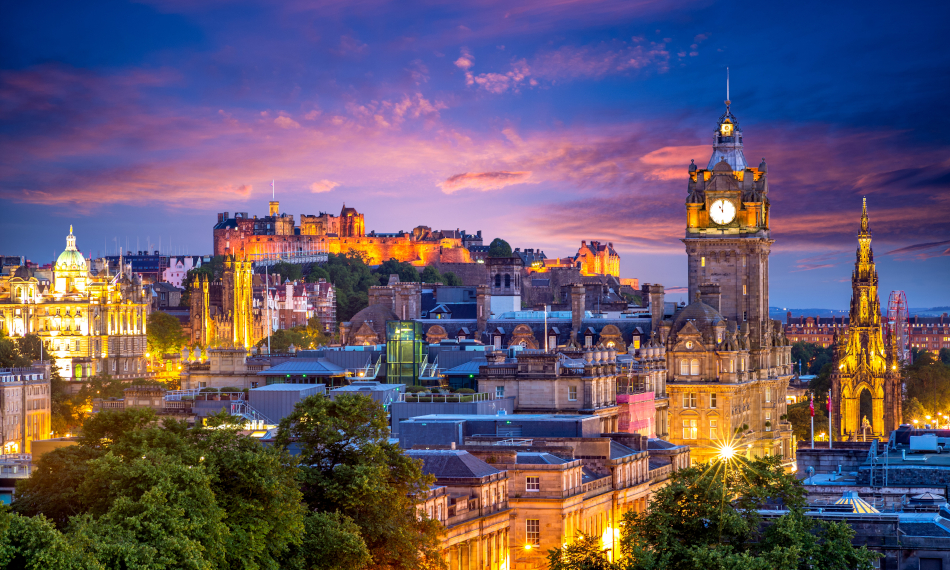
(728, 102)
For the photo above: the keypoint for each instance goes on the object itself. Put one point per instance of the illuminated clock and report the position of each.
(722, 211)
(726, 129)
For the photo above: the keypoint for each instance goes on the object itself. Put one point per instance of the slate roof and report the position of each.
(618, 450)
(470, 367)
(299, 366)
(536, 458)
(451, 463)
(923, 529)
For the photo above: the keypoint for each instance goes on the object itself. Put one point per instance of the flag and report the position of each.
(811, 404)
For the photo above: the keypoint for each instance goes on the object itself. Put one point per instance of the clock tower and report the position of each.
(727, 232)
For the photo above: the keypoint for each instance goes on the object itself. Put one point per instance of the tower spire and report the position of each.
(728, 102)
(865, 225)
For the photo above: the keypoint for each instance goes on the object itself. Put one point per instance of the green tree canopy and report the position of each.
(405, 270)
(287, 271)
(708, 517)
(348, 466)
(499, 248)
(812, 356)
(165, 334)
(317, 273)
(136, 494)
(928, 381)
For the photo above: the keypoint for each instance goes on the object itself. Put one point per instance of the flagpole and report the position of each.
(830, 431)
(811, 408)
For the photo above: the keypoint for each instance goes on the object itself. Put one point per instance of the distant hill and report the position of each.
(780, 313)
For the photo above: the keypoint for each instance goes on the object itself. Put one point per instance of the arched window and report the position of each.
(684, 367)
(498, 280)
(694, 367)
(507, 281)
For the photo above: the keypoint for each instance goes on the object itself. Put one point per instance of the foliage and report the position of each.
(287, 271)
(812, 356)
(499, 248)
(944, 356)
(136, 494)
(928, 381)
(331, 541)
(33, 543)
(821, 385)
(310, 336)
(431, 274)
(585, 553)
(800, 418)
(406, 272)
(348, 466)
(317, 273)
(165, 335)
(914, 410)
(708, 518)
(31, 346)
(10, 356)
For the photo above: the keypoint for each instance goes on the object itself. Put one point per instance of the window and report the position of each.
(743, 289)
(768, 395)
(713, 429)
(499, 391)
(497, 341)
(532, 484)
(552, 342)
(498, 280)
(694, 367)
(684, 367)
(768, 421)
(713, 403)
(588, 341)
(702, 261)
(533, 532)
(507, 281)
(689, 400)
(572, 393)
(689, 429)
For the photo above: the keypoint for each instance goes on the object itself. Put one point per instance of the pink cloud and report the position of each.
(286, 122)
(483, 181)
(323, 186)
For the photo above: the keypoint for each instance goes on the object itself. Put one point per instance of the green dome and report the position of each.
(71, 258)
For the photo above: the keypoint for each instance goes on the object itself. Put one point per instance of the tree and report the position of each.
(812, 356)
(10, 356)
(945, 356)
(708, 517)
(138, 494)
(317, 273)
(214, 269)
(287, 271)
(431, 275)
(800, 418)
(33, 543)
(348, 466)
(585, 553)
(331, 541)
(406, 272)
(451, 279)
(499, 248)
(31, 346)
(165, 334)
(914, 410)
(928, 380)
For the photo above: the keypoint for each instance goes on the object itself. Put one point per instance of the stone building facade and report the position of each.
(94, 322)
(25, 407)
(226, 312)
(728, 363)
(865, 360)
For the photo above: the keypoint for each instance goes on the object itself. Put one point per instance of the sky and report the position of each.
(542, 122)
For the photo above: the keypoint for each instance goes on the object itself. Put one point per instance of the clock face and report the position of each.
(722, 211)
(726, 129)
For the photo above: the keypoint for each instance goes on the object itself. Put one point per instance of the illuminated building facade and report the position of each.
(225, 312)
(25, 407)
(94, 323)
(864, 360)
(728, 362)
(276, 234)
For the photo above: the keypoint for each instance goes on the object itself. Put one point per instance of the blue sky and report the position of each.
(543, 123)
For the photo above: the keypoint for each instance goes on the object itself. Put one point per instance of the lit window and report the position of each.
(712, 401)
(713, 429)
(499, 391)
(743, 289)
(684, 367)
(689, 400)
(533, 532)
(572, 393)
(689, 429)
(694, 367)
(768, 395)
(702, 261)
(532, 484)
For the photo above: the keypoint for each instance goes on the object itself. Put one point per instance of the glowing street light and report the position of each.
(726, 452)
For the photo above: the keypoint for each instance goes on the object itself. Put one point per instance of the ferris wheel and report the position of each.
(897, 323)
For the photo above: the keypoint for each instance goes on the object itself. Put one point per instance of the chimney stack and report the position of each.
(655, 295)
(578, 299)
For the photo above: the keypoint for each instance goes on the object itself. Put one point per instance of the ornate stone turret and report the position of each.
(862, 361)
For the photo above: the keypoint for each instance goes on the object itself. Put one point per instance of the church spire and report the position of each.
(865, 226)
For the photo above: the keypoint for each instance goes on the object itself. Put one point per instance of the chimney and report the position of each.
(578, 298)
(709, 294)
(220, 217)
(656, 296)
(483, 302)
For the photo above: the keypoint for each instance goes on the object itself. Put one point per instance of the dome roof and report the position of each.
(700, 313)
(71, 258)
(376, 315)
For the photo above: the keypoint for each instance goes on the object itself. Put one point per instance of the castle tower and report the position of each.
(863, 362)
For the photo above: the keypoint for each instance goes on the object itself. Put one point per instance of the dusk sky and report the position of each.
(544, 123)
